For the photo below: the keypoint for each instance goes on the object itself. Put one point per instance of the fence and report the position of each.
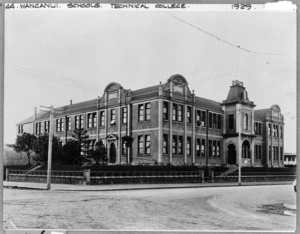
(106, 177)
(256, 176)
(122, 177)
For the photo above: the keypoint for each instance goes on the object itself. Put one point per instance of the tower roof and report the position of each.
(237, 94)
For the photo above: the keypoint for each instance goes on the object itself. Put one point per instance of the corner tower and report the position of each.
(238, 128)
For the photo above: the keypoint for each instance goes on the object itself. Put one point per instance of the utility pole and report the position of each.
(51, 130)
(240, 147)
(98, 118)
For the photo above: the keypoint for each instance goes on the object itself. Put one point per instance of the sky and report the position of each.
(54, 56)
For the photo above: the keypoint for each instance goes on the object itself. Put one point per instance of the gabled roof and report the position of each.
(208, 104)
(40, 115)
(260, 115)
(145, 93)
(69, 109)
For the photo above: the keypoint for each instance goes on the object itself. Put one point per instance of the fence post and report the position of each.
(86, 176)
(202, 176)
(7, 174)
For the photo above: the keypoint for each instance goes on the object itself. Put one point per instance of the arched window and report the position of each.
(246, 122)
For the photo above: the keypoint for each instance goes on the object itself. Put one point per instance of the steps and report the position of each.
(32, 169)
(230, 170)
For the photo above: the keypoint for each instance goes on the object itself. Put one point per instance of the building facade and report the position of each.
(169, 124)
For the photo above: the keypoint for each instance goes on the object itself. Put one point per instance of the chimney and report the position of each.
(34, 113)
(71, 102)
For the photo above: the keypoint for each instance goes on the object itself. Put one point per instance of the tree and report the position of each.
(40, 147)
(81, 136)
(25, 143)
(71, 152)
(99, 154)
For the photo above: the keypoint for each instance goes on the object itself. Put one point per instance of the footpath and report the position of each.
(119, 187)
(116, 187)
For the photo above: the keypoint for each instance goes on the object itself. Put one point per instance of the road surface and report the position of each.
(216, 208)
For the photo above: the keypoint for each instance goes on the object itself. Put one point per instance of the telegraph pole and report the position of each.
(240, 147)
(51, 130)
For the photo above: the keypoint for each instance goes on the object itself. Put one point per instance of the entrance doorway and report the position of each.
(112, 153)
(231, 154)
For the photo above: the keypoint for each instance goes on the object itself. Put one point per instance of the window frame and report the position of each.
(113, 116)
(165, 111)
(124, 115)
(231, 125)
(165, 143)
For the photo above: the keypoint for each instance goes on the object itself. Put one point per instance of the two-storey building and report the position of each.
(170, 124)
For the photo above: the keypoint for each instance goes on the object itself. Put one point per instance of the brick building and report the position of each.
(170, 124)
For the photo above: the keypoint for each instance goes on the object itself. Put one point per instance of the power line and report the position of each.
(40, 76)
(222, 40)
(232, 73)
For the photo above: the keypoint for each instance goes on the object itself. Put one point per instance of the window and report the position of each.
(270, 130)
(231, 121)
(257, 128)
(210, 148)
(124, 115)
(203, 123)
(180, 111)
(188, 146)
(142, 114)
(148, 111)
(218, 148)
(124, 148)
(38, 128)
(180, 141)
(165, 111)
(219, 122)
(61, 121)
(274, 130)
(148, 144)
(214, 121)
(281, 131)
(68, 123)
(165, 144)
(274, 153)
(257, 149)
(203, 148)
(46, 126)
(140, 144)
(92, 119)
(270, 152)
(175, 112)
(78, 121)
(20, 129)
(60, 125)
(91, 144)
(246, 122)
(198, 147)
(57, 125)
(113, 116)
(281, 153)
(174, 145)
(210, 120)
(189, 114)
(102, 119)
(198, 116)
(214, 148)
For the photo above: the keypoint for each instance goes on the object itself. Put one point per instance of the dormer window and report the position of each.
(112, 96)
